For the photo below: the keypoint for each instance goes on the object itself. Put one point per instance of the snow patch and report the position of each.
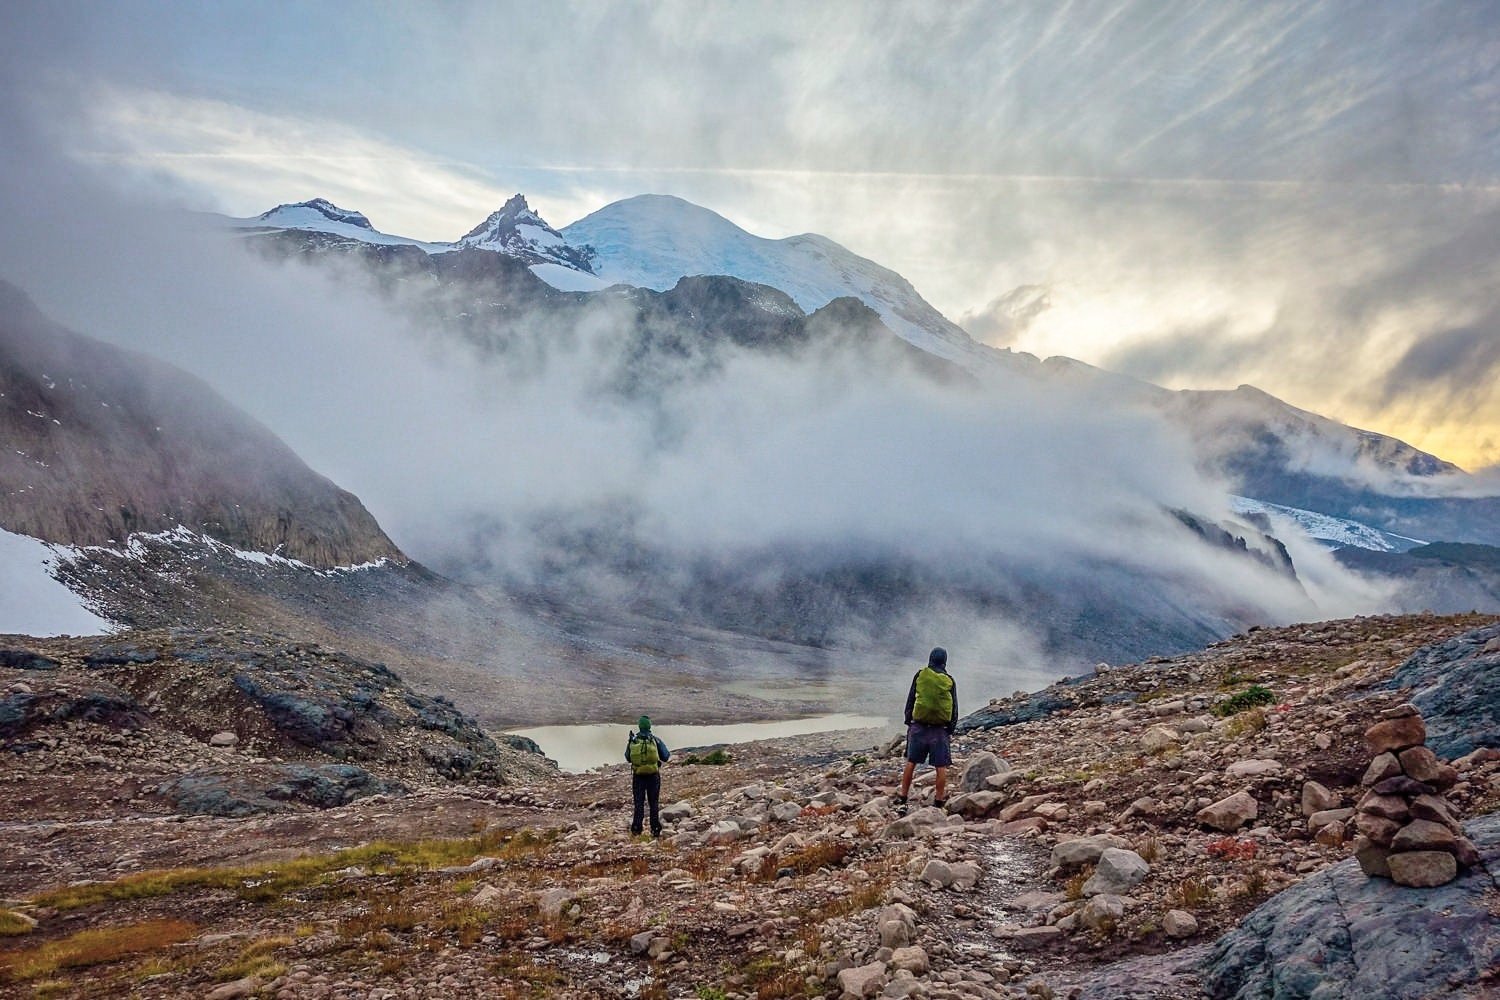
(138, 547)
(32, 600)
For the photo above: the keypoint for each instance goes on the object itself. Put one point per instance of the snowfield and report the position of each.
(1334, 532)
(32, 602)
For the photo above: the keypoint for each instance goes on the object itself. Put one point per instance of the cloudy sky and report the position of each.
(1305, 197)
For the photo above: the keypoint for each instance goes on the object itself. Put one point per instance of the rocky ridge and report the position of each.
(1075, 859)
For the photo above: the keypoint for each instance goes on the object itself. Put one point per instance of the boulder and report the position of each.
(1381, 831)
(1384, 766)
(937, 872)
(677, 812)
(487, 896)
(1253, 768)
(1084, 850)
(1028, 938)
(1158, 738)
(979, 768)
(725, 831)
(785, 812)
(1179, 924)
(1434, 808)
(1423, 835)
(1017, 827)
(1372, 858)
(976, 805)
(246, 987)
(897, 925)
(912, 958)
(1331, 834)
(1385, 806)
(1231, 813)
(1318, 820)
(1402, 785)
(965, 874)
(1423, 765)
(551, 903)
(223, 739)
(901, 829)
(1396, 734)
(1423, 869)
(1102, 913)
(1316, 798)
(862, 981)
(1117, 872)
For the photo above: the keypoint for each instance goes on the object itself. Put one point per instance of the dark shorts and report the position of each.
(928, 745)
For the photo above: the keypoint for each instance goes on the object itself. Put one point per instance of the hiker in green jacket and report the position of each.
(646, 753)
(931, 717)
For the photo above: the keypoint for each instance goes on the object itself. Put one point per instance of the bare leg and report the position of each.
(906, 777)
(942, 784)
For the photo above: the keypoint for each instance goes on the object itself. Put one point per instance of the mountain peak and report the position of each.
(323, 207)
(518, 231)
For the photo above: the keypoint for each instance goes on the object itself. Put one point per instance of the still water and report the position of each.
(578, 748)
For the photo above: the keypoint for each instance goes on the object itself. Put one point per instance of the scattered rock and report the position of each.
(1231, 813)
(862, 981)
(1117, 872)
(1179, 924)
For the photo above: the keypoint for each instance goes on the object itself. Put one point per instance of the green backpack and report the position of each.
(934, 705)
(644, 757)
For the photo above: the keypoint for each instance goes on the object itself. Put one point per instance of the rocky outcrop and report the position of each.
(235, 724)
(1456, 686)
(1339, 934)
(103, 443)
(271, 789)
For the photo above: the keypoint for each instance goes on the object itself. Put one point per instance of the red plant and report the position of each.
(1232, 849)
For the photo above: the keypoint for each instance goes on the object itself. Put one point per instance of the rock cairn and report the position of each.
(1408, 831)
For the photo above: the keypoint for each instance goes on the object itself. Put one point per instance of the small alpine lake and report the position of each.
(578, 748)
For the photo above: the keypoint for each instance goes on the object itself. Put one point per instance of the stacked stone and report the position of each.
(1408, 831)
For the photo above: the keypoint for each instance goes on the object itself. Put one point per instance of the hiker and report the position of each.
(931, 717)
(646, 753)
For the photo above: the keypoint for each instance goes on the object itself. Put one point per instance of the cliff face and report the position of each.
(100, 443)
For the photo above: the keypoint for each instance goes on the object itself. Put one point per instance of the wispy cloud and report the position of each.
(217, 154)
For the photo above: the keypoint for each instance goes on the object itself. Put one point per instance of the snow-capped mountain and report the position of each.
(322, 216)
(653, 240)
(519, 232)
(515, 230)
(1263, 447)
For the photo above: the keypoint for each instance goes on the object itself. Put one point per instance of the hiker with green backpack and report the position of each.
(931, 717)
(646, 753)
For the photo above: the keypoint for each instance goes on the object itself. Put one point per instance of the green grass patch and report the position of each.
(1253, 696)
(719, 756)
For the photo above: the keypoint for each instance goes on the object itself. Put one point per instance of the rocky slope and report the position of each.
(102, 443)
(1076, 858)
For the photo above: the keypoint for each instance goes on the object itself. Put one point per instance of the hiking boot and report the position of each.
(940, 803)
(901, 805)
